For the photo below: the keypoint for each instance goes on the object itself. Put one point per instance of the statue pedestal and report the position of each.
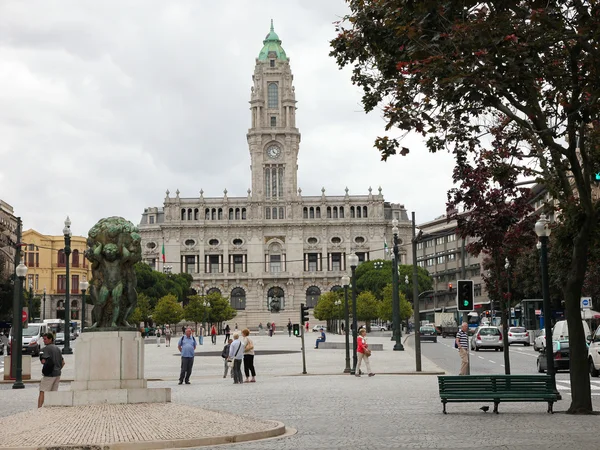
(109, 368)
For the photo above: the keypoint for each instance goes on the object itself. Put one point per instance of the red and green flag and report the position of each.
(163, 253)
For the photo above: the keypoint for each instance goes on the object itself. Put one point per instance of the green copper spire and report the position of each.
(272, 43)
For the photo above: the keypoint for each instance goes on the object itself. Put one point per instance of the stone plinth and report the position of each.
(109, 368)
(25, 368)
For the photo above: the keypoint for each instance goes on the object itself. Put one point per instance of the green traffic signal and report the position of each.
(466, 302)
(598, 176)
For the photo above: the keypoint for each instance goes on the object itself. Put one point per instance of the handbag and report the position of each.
(230, 362)
(367, 352)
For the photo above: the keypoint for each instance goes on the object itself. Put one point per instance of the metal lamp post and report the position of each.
(44, 301)
(67, 350)
(542, 229)
(345, 283)
(505, 312)
(337, 304)
(30, 300)
(353, 262)
(206, 304)
(83, 286)
(17, 343)
(407, 283)
(395, 295)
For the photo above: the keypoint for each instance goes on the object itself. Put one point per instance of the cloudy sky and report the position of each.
(104, 105)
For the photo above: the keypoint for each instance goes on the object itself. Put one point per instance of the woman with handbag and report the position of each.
(248, 356)
(363, 352)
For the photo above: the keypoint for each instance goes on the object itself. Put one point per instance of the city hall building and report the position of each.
(276, 247)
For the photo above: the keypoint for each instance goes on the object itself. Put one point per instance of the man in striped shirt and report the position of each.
(462, 342)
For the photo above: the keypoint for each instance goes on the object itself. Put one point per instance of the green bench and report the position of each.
(497, 388)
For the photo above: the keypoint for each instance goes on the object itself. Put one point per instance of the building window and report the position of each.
(75, 258)
(213, 263)
(273, 181)
(62, 260)
(275, 299)
(271, 63)
(365, 212)
(267, 213)
(441, 259)
(358, 215)
(273, 121)
(61, 284)
(238, 263)
(312, 296)
(238, 299)
(190, 263)
(275, 263)
(336, 261)
(74, 284)
(152, 263)
(420, 246)
(305, 213)
(429, 243)
(335, 212)
(451, 237)
(274, 213)
(151, 220)
(362, 257)
(311, 212)
(273, 96)
(430, 262)
(30, 259)
(318, 212)
(312, 262)
(281, 212)
(451, 256)
(329, 212)
(341, 212)
(352, 212)
(440, 241)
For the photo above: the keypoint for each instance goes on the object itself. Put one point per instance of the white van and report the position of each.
(32, 338)
(560, 332)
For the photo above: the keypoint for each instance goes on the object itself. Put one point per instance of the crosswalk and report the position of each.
(565, 385)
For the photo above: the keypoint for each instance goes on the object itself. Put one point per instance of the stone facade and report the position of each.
(274, 248)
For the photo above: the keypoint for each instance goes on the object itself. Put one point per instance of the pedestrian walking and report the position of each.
(225, 356)
(248, 356)
(213, 335)
(462, 344)
(306, 325)
(187, 346)
(227, 333)
(273, 327)
(167, 336)
(52, 364)
(269, 329)
(363, 352)
(201, 335)
(158, 336)
(236, 354)
(289, 327)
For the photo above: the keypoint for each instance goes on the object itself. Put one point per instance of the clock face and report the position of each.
(273, 152)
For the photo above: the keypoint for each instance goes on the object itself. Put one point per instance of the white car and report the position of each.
(594, 354)
(540, 342)
(378, 328)
(317, 328)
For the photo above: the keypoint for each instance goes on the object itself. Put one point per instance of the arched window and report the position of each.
(273, 95)
(312, 296)
(237, 213)
(213, 290)
(312, 212)
(335, 211)
(274, 213)
(183, 214)
(238, 298)
(281, 212)
(318, 212)
(336, 288)
(365, 212)
(243, 213)
(275, 300)
(305, 213)
(352, 212)
(207, 214)
(267, 213)
(358, 212)
(230, 213)
(329, 212)
(341, 212)
(213, 214)
(62, 260)
(196, 213)
(220, 212)
(75, 259)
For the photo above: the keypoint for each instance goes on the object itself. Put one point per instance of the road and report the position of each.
(522, 361)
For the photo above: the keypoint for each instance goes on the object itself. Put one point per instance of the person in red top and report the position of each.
(362, 351)
(213, 335)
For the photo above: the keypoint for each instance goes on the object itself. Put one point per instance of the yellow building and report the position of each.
(45, 259)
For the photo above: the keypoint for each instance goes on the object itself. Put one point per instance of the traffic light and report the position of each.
(303, 313)
(296, 328)
(597, 177)
(449, 286)
(465, 295)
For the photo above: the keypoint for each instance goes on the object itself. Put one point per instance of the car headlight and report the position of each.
(33, 342)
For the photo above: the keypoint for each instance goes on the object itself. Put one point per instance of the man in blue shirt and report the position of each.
(186, 345)
(321, 338)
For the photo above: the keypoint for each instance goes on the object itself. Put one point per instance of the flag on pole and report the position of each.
(385, 246)
(163, 253)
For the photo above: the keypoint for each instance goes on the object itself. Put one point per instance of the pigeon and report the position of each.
(485, 408)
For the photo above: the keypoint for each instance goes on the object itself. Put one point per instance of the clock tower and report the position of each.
(273, 138)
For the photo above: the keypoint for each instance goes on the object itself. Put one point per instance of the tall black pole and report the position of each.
(396, 297)
(505, 312)
(347, 329)
(30, 302)
(44, 310)
(67, 350)
(83, 309)
(17, 337)
(354, 322)
(415, 278)
(547, 311)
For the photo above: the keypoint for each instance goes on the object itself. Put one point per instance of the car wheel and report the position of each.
(527, 344)
(539, 367)
(497, 349)
(476, 348)
(593, 371)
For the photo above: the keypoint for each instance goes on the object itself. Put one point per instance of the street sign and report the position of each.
(538, 312)
(24, 316)
(586, 302)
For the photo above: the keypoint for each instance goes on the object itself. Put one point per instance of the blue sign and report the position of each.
(586, 302)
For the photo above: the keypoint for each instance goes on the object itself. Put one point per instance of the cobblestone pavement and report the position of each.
(337, 411)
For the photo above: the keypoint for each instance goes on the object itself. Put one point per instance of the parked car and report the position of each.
(378, 328)
(428, 333)
(317, 328)
(487, 337)
(32, 339)
(560, 331)
(518, 335)
(540, 342)
(594, 354)
(560, 356)
(60, 338)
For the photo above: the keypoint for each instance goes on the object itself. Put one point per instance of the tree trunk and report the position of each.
(581, 395)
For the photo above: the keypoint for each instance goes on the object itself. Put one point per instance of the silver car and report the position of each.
(518, 335)
(487, 337)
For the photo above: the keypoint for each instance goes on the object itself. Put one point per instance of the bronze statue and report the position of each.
(113, 249)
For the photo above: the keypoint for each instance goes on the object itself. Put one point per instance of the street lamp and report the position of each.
(30, 300)
(67, 350)
(167, 269)
(17, 343)
(407, 283)
(353, 262)
(337, 304)
(44, 310)
(505, 312)
(83, 286)
(542, 229)
(397, 333)
(206, 304)
(345, 283)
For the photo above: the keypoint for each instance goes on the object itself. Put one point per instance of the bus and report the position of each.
(58, 326)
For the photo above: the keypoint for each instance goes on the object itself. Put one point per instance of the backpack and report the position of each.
(181, 340)
(48, 367)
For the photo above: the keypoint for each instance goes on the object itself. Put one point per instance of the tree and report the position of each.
(220, 309)
(142, 311)
(374, 276)
(157, 284)
(385, 307)
(195, 311)
(367, 307)
(325, 309)
(516, 82)
(168, 310)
